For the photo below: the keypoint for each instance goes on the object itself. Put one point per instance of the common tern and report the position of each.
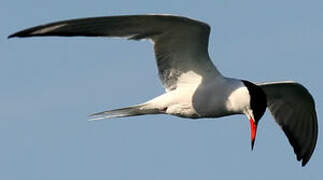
(194, 87)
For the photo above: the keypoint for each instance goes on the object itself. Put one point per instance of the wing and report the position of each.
(293, 108)
(180, 43)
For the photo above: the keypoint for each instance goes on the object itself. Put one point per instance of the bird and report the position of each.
(194, 87)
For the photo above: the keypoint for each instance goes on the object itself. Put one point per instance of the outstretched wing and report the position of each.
(180, 43)
(293, 108)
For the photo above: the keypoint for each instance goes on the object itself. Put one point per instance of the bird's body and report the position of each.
(216, 98)
(194, 88)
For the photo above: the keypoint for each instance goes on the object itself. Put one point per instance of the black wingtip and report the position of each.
(26, 32)
(19, 34)
(11, 36)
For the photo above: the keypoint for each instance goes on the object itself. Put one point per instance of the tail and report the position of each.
(124, 112)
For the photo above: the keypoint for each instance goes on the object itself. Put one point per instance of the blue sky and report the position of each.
(50, 85)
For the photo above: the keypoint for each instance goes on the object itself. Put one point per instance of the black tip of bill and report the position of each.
(252, 144)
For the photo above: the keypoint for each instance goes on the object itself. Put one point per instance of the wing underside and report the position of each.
(180, 43)
(293, 108)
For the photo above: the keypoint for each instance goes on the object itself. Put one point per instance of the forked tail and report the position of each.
(124, 112)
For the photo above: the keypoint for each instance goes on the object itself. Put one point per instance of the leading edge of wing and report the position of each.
(110, 26)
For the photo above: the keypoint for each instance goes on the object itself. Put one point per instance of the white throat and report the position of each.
(239, 101)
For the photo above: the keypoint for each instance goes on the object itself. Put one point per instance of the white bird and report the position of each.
(194, 86)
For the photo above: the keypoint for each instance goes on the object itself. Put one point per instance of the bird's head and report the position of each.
(256, 108)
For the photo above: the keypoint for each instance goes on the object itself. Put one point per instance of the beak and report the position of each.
(253, 131)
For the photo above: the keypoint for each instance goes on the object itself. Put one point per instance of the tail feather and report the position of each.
(123, 112)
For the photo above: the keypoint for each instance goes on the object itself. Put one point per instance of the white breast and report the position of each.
(220, 97)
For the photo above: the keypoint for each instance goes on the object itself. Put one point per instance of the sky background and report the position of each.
(50, 85)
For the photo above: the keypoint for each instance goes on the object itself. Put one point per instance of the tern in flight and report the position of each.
(194, 88)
